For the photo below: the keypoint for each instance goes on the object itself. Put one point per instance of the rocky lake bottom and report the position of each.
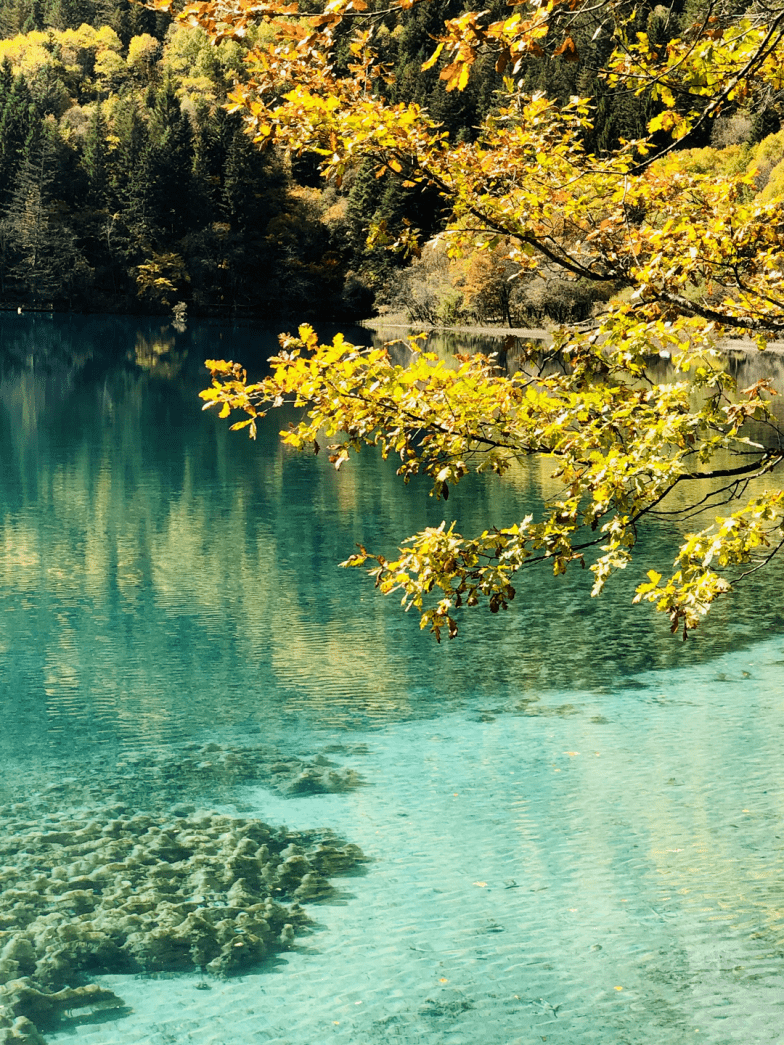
(575, 868)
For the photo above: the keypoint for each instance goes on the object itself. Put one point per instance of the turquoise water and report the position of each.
(574, 821)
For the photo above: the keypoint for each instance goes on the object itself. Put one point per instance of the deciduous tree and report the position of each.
(694, 255)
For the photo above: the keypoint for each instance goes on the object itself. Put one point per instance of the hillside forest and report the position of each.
(127, 185)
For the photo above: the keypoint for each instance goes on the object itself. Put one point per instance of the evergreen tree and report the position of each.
(363, 199)
(69, 14)
(45, 255)
(17, 119)
(94, 159)
(13, 14)
(766, 121)
(206, 164)
(237, 180)
(138, 19)
(142, 177)
(6, 82)
(171, 161)
(131, 177)
(20, 16)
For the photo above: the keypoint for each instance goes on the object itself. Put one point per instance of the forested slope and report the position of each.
(125, 183)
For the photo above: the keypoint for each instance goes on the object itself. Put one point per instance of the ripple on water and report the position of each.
(535, 877)
(566, 844)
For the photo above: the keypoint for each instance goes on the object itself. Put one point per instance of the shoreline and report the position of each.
(380, 324)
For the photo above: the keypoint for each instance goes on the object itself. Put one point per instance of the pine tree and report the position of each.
(171, 162)
(6, 82)
(17, 119)
(45, 254)
(205, 167)
(94, 160)
(131, 178)
(13, 14)
(68, 14)
(766, 121)
(237, 180)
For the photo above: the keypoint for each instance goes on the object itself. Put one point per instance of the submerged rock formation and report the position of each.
(101, 890)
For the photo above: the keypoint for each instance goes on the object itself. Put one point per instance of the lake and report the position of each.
(572, 822)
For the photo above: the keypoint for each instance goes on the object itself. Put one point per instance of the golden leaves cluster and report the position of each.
(693, 254)
(619, 447)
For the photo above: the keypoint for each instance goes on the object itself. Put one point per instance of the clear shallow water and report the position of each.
(562, 803)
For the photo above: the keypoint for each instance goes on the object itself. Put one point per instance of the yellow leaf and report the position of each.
(433, 58)
(665, 121)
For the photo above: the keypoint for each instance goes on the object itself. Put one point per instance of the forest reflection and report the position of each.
(157, 571)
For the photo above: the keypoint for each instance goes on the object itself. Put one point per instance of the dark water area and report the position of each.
(164, 582)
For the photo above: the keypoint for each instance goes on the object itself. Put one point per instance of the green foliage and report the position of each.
(767, 155)
(42, 253)
(162, 279)
(18, 116)
(619, 448)
(125, 17)
(94, 159)
(774, 189)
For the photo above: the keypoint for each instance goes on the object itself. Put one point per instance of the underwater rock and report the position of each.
(314, 780)
(103, 891)
(331, 859)
(21, 1032)
(19, 954)
(532, 707)
(312, 887)
(446, 1003)
(20, 999)
(175, 779)
(235, 765)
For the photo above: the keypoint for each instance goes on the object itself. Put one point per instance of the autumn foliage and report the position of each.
(694, 256)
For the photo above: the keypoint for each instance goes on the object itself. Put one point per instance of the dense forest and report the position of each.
(125, 184)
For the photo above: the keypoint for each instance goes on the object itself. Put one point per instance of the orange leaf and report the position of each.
(567, 51)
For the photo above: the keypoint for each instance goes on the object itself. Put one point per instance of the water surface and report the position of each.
(575, 821)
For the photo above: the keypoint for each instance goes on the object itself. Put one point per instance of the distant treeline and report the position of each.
(124, 183)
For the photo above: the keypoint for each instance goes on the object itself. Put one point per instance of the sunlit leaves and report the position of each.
(617, 445)
(710, 67)
(691, 251)
(526, 176)
(751, 535)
